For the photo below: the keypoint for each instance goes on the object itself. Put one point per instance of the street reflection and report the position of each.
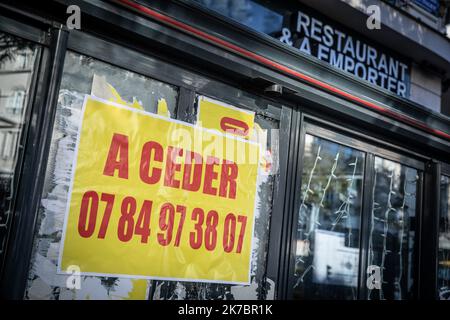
(17, 60)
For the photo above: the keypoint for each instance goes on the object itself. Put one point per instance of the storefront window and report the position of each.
(444, 240)
(248, 12)
(15, 83)
(84, 75)
(328, 237)
(392, 229)
(328, 228)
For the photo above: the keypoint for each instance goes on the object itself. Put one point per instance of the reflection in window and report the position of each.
(17, 57)
(249, 13)
(328, 229)
(444, 240)
(83, 75)
(392, 229)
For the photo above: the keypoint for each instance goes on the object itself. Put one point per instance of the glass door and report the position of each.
(443, 275)
(18, 65)
(355, 232)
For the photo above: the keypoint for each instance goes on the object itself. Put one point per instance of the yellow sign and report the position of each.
(225, 118)
(158, 198)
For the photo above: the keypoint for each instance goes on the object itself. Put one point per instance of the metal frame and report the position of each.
(150, 65)
(430, 230)
(389, 146)
(356, 141)
(420, 236)
(30, 32)
(20, 156)
(21, 238)
(13, 262)
(208, 56)
(445, 168)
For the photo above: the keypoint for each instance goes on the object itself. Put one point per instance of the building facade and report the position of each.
(347, 103)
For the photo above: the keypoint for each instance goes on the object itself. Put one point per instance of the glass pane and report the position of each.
(248, 12)
(431, 6)
(310, 32)
(392, 229)
(444, 240)
(328, 229)
(17, 61)
(83, 75)
(261, 287)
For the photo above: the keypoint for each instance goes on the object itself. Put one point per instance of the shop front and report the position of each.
(163, 151)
